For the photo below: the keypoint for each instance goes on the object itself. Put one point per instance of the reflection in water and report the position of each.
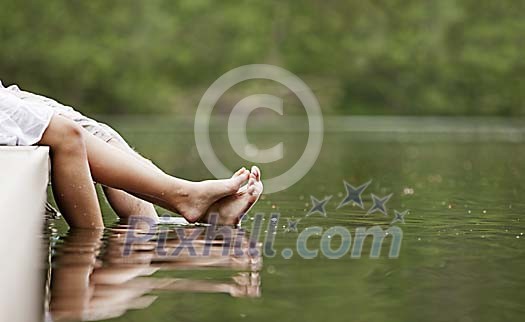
(91, 279)
(462, 257)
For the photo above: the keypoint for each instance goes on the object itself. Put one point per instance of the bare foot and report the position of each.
(193, 200)
(231, 209)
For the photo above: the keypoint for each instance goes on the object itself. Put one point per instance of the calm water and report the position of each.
(461, 258)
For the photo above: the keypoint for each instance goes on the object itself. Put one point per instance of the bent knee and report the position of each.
(64, 134)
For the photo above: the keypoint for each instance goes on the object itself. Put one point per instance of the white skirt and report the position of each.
(24, 117)
(21, 122)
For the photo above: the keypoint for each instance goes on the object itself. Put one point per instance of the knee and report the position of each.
(66, 136)
(72, 138)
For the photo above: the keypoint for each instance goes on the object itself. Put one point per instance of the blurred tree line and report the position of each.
(407, 57)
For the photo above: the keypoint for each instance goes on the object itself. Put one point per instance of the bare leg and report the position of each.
(71, 179)
(124, 204)
(117, 169)
(230, 208)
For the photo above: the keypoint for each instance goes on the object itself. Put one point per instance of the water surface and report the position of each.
(461, 258)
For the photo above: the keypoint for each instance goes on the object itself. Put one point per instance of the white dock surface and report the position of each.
(24, 173)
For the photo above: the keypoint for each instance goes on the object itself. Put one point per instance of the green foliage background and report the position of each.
(406, 57)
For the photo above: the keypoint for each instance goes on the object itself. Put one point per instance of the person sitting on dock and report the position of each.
(83, 150)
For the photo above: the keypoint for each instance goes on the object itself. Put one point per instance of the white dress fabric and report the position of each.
(25, 116)
(21, 122)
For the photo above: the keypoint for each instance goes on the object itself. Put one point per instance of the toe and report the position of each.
(238, 181)
(239, 172)
(255, 171)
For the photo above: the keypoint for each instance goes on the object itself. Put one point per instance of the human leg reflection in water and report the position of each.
(85, 286)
